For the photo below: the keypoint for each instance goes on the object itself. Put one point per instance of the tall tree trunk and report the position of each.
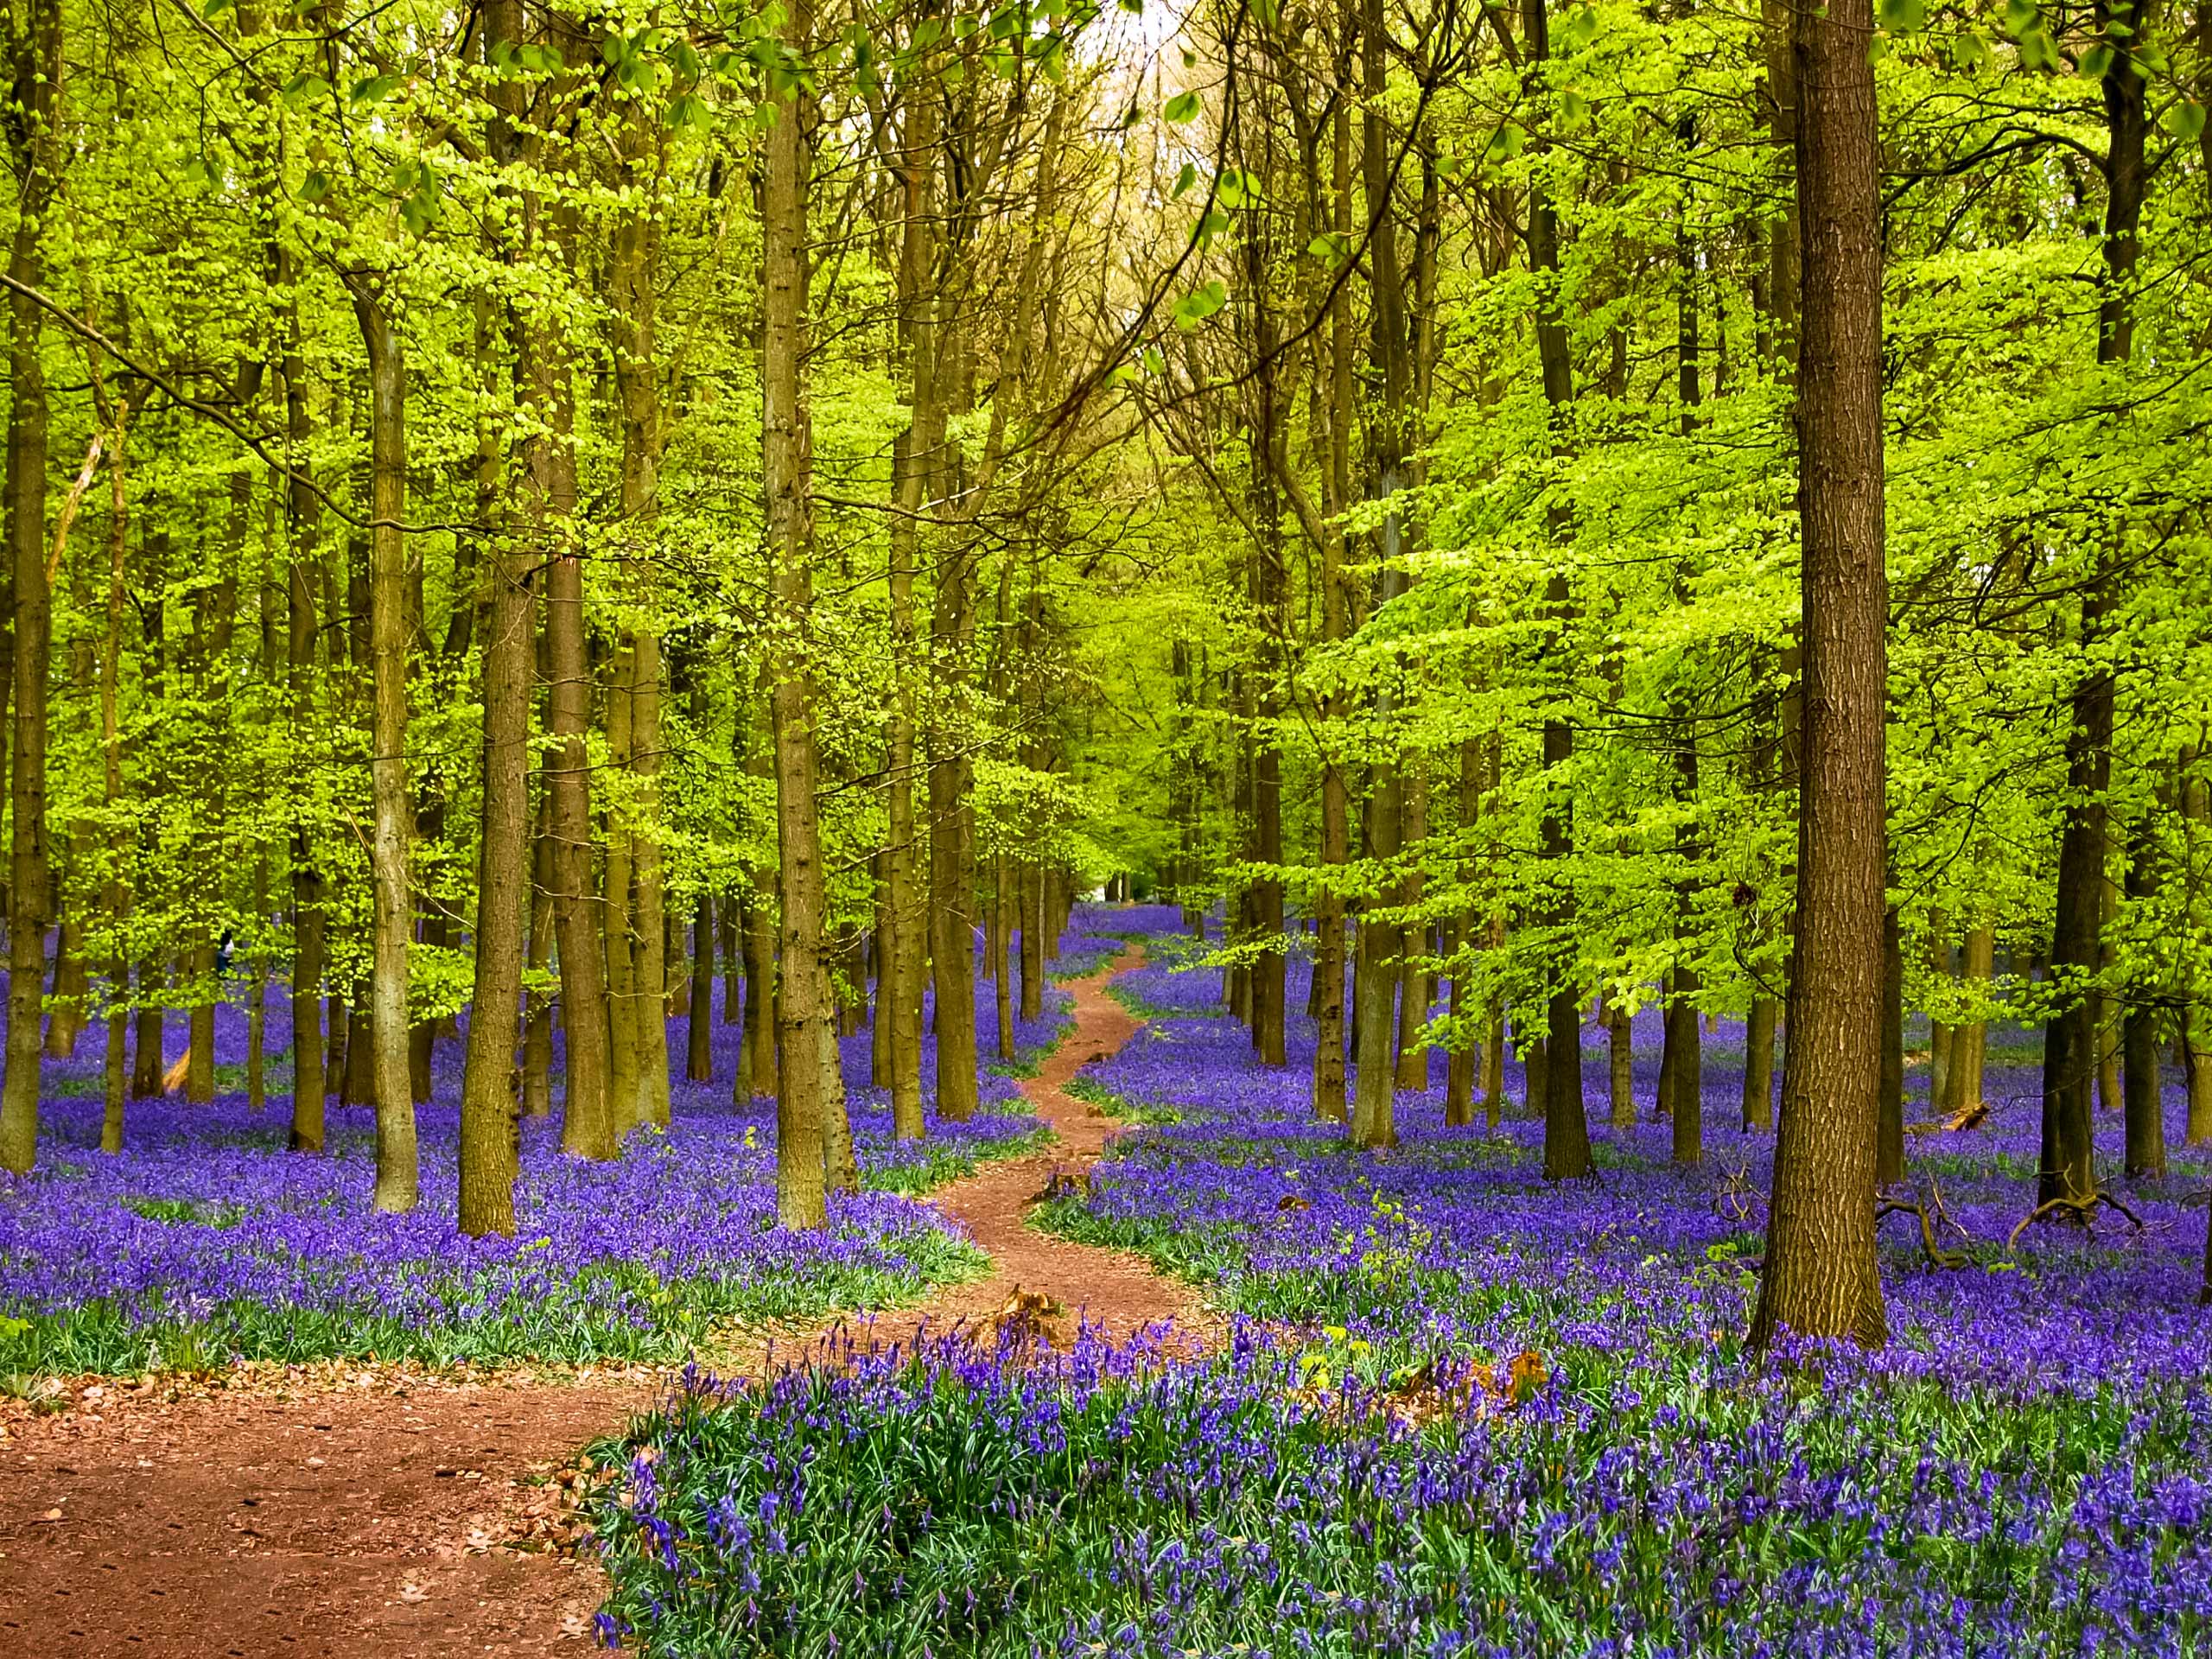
(1382, 942)
(392, 815)
(951, 896)
(635, 269)
(914, 453)
(2067, 1170)
(587, 1123)
(118, 894)
(303, 580)
(650, 1029)
(803, 1019)
(490, 1089)
(1821, 1278)
(1566, 1125)
(618, 936)
(37, 68)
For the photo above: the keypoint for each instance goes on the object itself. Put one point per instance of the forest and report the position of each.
(1191, 827)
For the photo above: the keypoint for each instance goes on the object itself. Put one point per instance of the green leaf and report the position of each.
(688, 113)
(2096, 63)
(316, 185)
(1505, 143)
(1573, 111)
(1330, 246)
(1184, 180)
(2022, 18)
(375, 89)
(2186, 122)
(1581, 29)
(1905, 16)
(1134, 6)
(304, 89)
(1970, 52)
(1182, 107)
(1154, 360)
(1194, 309)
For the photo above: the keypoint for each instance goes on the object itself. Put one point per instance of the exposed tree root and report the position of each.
(2074, 1209)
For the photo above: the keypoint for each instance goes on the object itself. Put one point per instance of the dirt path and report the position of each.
(361, 1513)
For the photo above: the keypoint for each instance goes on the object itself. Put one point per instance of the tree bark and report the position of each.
(2145, 1098)
(302, 509)
(1758, 1064)
(1889, 1135)
(2072, 1043)
(392, 813)
(1821, 1278)
(804, 1018)
(37, 68)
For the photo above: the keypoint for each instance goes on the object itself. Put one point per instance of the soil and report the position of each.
(350, 1510)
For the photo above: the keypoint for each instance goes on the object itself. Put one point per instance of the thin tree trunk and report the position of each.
(1000, 966)
(1889, 1137)
(1620, 1053)
(301, 628)
(650, 1029)
(2145, 1154)
(2072, 1043)
(698, 1045)
(803, 1018)
(537, 1004)
(392, 815)
(491, 1094)
(618, 936)
(1758, 1064)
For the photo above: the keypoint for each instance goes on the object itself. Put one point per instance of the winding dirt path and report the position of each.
(352, 1512)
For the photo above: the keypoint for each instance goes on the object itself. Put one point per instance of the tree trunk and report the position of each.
(2072, 1043)
(1416, 986)
(1000, 964)
(650, 1027)
(1821, 1278)
(2146, 1157)
(392, 814)
(302, 508)
(803, 1019)
(1620, 1046)
(1889, 1135)
(37, 68)
(538, 1004)
(698, 1033)
(587, 1123)
(618, 938)
(1758, 1064)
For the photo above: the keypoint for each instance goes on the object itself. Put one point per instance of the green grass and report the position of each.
(1117, 1107)
(589, 1318)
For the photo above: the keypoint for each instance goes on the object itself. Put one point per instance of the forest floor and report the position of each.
(346, 1509)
